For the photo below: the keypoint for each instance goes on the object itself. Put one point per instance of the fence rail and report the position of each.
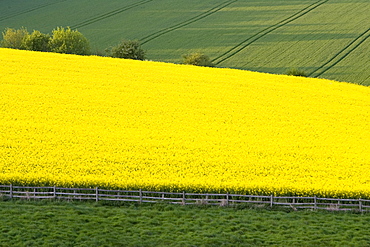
(183, 198)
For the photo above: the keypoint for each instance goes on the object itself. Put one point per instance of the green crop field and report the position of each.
(326, 38)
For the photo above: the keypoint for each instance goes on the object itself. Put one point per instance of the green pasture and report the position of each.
(53, 223)
(326, 38)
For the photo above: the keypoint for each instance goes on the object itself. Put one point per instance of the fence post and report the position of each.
(96, 194)
(141, 195)
(271, 200)
(227, 199)
(183, 198)
(315, 202)
(360, 204)
(11, 191)
(54, 192)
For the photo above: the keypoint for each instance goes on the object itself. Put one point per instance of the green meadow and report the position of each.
(53, 223)
(325, 38)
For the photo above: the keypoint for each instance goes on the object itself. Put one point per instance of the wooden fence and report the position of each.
(183, 198)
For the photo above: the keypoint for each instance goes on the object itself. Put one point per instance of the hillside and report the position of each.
(326, 38)
(92, 121)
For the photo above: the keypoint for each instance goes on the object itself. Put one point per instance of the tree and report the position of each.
(198, 59)
(65, 40)
(13, 38)
(37, 41)
(296, 72)
(129, 49)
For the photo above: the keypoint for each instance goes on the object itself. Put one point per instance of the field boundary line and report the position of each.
(184, 198)
(343, 53)
(203, 15)
(247, 42)
(29, 10)
(109, 14)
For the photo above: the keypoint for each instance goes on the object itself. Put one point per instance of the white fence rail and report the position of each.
(141, 196)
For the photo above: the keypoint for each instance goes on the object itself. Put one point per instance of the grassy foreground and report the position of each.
(42, 223)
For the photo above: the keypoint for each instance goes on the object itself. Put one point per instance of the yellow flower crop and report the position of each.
(91, 121)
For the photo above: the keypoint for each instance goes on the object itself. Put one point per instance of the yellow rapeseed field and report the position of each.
(92, 121)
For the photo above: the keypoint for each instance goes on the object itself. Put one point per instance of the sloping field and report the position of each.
(92, 121)
(326, 38)
(314, 42)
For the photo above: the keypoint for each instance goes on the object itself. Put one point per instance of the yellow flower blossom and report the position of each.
(91, 121)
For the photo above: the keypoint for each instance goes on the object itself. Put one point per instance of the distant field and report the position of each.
(326, 38)
(89, 121)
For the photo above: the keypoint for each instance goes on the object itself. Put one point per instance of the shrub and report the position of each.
(296, 72)
(65, 40)
(13, 38)
(36, 41)
(129, 49)
(198, 59)
(99, 53)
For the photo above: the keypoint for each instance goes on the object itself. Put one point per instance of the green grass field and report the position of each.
(45, 223)
(326, 38)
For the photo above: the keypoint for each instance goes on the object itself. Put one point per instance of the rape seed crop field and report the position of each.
(92, 121)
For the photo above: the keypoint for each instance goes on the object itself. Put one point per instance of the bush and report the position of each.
(129, 49)
(69, 41)
(13, 38)
(296, 72)
(37, 41)
(99, 53)
(198, 59)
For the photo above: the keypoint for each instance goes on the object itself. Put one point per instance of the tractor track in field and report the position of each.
(245, 43)
(109, 14)
(29, 10)
(205, 14)
(343, 53)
